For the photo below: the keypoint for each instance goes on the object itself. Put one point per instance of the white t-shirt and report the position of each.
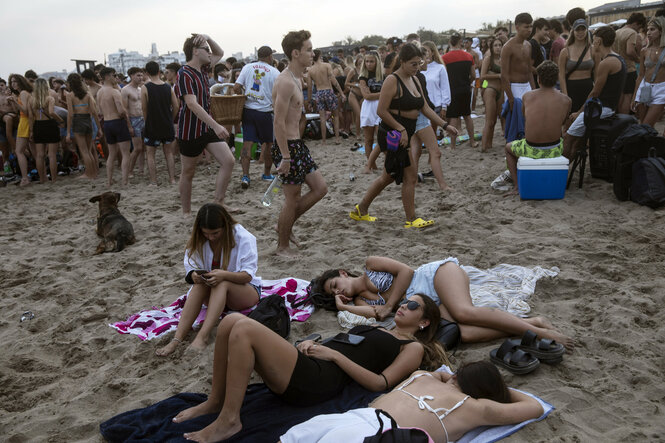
(244, 257)
(258, 79)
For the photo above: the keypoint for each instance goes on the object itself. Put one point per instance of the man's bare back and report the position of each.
(289, 88)
(321, 73)
(110, 103)
(545, 111)
(517, 58)
(132, 100)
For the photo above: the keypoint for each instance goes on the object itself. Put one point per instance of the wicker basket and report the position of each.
(226, 109)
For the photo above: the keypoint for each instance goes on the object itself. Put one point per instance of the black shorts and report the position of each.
(313, 381)
(194, 148)
(460, 105)
(301, 162)
(116, 131)
(629, 85)
(46, 131)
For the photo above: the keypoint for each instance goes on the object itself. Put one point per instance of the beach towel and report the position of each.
(264, 416)
(154, 322)
(488, 434)
(505, 287)
(514, 129)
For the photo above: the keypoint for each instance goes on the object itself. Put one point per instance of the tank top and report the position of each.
(158, 124)
(611, 92)
(407, 101)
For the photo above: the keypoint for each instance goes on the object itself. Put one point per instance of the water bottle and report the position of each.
(352, 176)
(273, 189)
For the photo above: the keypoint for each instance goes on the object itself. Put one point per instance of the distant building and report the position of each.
(122, 60)
(58, 74)
(610, 12)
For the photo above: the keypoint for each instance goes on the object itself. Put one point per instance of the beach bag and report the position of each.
(593, 109)
(648, 186)
(271, 312)
(448, 334)
(396, 434)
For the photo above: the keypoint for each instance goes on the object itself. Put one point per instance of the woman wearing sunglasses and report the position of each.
(385, 282)
(313, 372)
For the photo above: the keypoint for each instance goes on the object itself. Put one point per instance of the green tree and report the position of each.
(376, 40)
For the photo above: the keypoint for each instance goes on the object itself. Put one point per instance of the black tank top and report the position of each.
(407, 101)
(159, 122)
(375, 353)
(613, 88)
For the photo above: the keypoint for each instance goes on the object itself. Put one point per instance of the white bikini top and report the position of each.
(422, 402)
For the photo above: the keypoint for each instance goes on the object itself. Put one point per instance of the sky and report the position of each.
(44, 36)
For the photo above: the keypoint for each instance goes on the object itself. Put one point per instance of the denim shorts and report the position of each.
(422, 122)
(423, 280)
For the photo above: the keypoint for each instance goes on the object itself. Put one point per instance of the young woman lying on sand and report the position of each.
(443, 405)
(386, 281)
(312, 373)
(221, 262)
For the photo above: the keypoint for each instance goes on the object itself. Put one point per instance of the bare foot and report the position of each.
(474, 144)
(567, 342)
(511, 193)
(286, 252)
(24, 182)
(207, 407)
(292, 237)
(445, 188)
(541, 322)
(216, 431)
(198, 344)
(168, 349)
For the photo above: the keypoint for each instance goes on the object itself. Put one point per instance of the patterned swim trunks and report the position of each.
(326, 100)
(301, 162)
(522, 148)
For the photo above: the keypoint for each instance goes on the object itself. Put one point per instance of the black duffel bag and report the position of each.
(648, 184)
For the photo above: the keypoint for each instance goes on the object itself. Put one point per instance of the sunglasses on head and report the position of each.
(410, 304)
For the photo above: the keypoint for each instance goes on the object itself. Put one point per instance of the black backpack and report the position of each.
(271, 312)
(396, 434)
(648, 186)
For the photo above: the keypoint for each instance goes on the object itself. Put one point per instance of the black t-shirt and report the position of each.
(373, 84)
(388, 62)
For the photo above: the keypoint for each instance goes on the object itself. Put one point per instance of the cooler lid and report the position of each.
(536, 163)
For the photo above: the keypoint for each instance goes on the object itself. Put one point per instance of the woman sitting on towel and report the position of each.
(443, 405)
(313, 373)
(386, 281)
(221, 262)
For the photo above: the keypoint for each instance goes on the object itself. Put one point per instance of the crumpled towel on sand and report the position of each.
(154, 322)
(505, 287)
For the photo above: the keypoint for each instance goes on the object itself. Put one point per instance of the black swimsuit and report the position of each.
(314, 381)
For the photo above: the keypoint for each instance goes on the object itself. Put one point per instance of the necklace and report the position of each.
(295, 79)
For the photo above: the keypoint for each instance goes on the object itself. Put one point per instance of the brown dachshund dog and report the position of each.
(115, 230)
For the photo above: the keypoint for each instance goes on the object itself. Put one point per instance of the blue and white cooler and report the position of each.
(542, 178)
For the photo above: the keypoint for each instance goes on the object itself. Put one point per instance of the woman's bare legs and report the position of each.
(653, 114)
(427, 137)
(83, 143)
(39, 160)
(489, 98)
(233, 295)
(196, 297)
(242, 345)
(53, 160)
(452, 285)
(368, 132)
(21, 148)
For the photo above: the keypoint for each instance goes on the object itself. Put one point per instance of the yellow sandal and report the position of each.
(355, 215)
(418, 223)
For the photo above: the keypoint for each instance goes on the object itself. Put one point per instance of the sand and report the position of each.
(65, 371)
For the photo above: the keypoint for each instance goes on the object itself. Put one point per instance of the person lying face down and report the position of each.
(386, 281)
(312, 372)
(443, 405)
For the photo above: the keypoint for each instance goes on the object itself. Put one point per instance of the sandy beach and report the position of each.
(65, 371)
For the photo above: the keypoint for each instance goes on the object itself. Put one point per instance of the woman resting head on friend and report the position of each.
(221, 262)
(475, 396)
(385, 282)
(312, 372)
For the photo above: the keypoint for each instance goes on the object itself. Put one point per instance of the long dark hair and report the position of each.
(317, 293)
(23, 83)
(481, 379)
(77, 86)
(213, 216)
(435, 355)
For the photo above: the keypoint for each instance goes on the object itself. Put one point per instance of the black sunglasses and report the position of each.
(410, 304)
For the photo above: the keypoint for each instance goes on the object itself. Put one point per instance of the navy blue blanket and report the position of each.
(264, 416)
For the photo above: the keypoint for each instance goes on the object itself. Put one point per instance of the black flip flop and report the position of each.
(509, 357)
(544, 349)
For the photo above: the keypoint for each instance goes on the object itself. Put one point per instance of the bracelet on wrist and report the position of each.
(445, 125)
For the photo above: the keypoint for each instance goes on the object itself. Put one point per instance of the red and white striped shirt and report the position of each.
(190, 81)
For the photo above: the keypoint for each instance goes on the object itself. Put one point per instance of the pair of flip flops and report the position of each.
(525, 355)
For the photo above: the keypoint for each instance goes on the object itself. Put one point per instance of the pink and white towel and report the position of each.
(154, 322)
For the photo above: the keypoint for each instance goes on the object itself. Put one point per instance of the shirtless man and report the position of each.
(516, 78)
(131, 100)
(325, 99)
(628, 45)
(289, 153)
(545, 111)
(117, 126)
(90, 80)
(8, 112)
(171, 72)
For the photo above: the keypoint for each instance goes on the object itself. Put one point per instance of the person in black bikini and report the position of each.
(311, 373)
(490, 75)
(399, 103)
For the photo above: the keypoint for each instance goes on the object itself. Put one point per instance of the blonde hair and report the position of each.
(378, 73)
(213, 216)
(40, 93)
(436, 57)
